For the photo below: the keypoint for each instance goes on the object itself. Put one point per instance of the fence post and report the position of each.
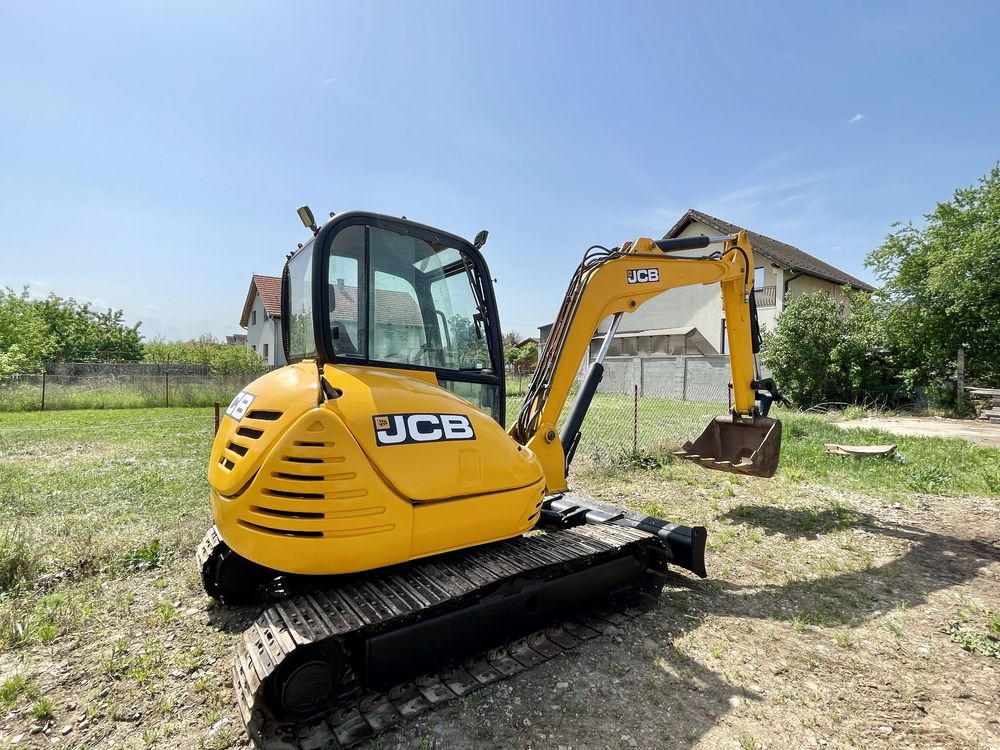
(635, 418)
(166, 383)
(43, 390)
(216, 416)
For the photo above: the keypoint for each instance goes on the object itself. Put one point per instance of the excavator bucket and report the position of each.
(739, 446)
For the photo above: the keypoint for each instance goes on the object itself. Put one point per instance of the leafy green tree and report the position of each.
(941, 286)
(527, 357)
(823, 349)
(26, 342)
(468, 342)
(83, 334)
(511, 339)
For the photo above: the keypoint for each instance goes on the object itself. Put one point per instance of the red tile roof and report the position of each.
(269, 289)
(785, 255)
(393, 306)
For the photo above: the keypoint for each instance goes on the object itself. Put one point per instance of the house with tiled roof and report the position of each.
(674, 345)
(782, 271)
(400, 325)
(262, 318)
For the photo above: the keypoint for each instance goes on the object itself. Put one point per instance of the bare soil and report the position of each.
(829, 621)
(975, 431)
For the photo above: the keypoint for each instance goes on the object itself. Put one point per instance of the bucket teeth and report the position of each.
(739, 447)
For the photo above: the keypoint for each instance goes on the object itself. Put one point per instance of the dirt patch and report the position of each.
(983, 433)
(832, 619)
(845, 643)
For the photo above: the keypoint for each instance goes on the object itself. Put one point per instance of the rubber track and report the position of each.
(380, 601)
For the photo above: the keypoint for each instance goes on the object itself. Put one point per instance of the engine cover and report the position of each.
(392, 468)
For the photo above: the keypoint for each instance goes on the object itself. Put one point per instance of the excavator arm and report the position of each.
(610, 283)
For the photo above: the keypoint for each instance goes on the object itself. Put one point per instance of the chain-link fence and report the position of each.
(621, 425)
(118, 390)
(630, 424)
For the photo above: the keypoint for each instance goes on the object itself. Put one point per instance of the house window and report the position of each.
(722, 338)
(254, 347)
(758, 278)
(265, 351)
(253, 318)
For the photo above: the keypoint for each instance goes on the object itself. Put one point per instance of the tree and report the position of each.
(941, 286)
(823, 349)
(527, 357)
(26, 342)
(510, 349)
(511, 339)
(468, 342)
(83, 334)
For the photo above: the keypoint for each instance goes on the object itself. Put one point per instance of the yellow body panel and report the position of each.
(302, 486)
(436, 470)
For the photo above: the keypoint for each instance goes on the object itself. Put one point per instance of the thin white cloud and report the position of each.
(329, 80)
(856, 119)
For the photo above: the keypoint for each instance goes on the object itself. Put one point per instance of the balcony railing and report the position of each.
(765, 296)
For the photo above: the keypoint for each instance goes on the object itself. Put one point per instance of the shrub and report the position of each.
(824, 349)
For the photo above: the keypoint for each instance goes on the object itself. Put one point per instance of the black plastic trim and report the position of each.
(321, 293)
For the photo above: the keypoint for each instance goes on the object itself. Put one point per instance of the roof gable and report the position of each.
(269, 289)
(783, 254)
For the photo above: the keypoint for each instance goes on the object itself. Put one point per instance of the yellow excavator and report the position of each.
(408, 548)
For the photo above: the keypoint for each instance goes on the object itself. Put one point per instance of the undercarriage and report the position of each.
(341, 659)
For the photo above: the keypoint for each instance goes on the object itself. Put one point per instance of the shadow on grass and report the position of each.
(932, 562)
(691, 697)
(800, 523)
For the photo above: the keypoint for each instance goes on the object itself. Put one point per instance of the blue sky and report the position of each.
(152, 155)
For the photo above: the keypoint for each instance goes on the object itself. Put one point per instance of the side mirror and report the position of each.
(480, 239)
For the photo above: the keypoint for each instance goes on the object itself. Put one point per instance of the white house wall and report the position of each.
(265, 331)
(256, 333)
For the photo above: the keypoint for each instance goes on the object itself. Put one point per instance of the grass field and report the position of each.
(24, 393)
(854, 602)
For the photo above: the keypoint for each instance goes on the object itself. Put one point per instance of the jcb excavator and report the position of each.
(410, 548)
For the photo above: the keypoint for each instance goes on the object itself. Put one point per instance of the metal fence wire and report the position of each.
(626, 423)
(632, 423)
(120, 390)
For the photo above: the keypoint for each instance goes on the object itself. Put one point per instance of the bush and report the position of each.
(824, 349)
(222, 359)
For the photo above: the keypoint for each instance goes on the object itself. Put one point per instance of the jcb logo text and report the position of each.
(643, 275)
(398, 429)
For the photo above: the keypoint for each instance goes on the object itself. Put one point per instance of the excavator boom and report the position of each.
(611, 283)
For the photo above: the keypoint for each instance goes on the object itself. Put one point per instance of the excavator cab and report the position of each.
(376, 291)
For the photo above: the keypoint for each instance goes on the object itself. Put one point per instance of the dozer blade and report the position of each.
(740, 447)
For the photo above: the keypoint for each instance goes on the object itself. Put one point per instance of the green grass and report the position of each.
(14, 689)
(93, 393)
(87, 493)
(922, 465)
